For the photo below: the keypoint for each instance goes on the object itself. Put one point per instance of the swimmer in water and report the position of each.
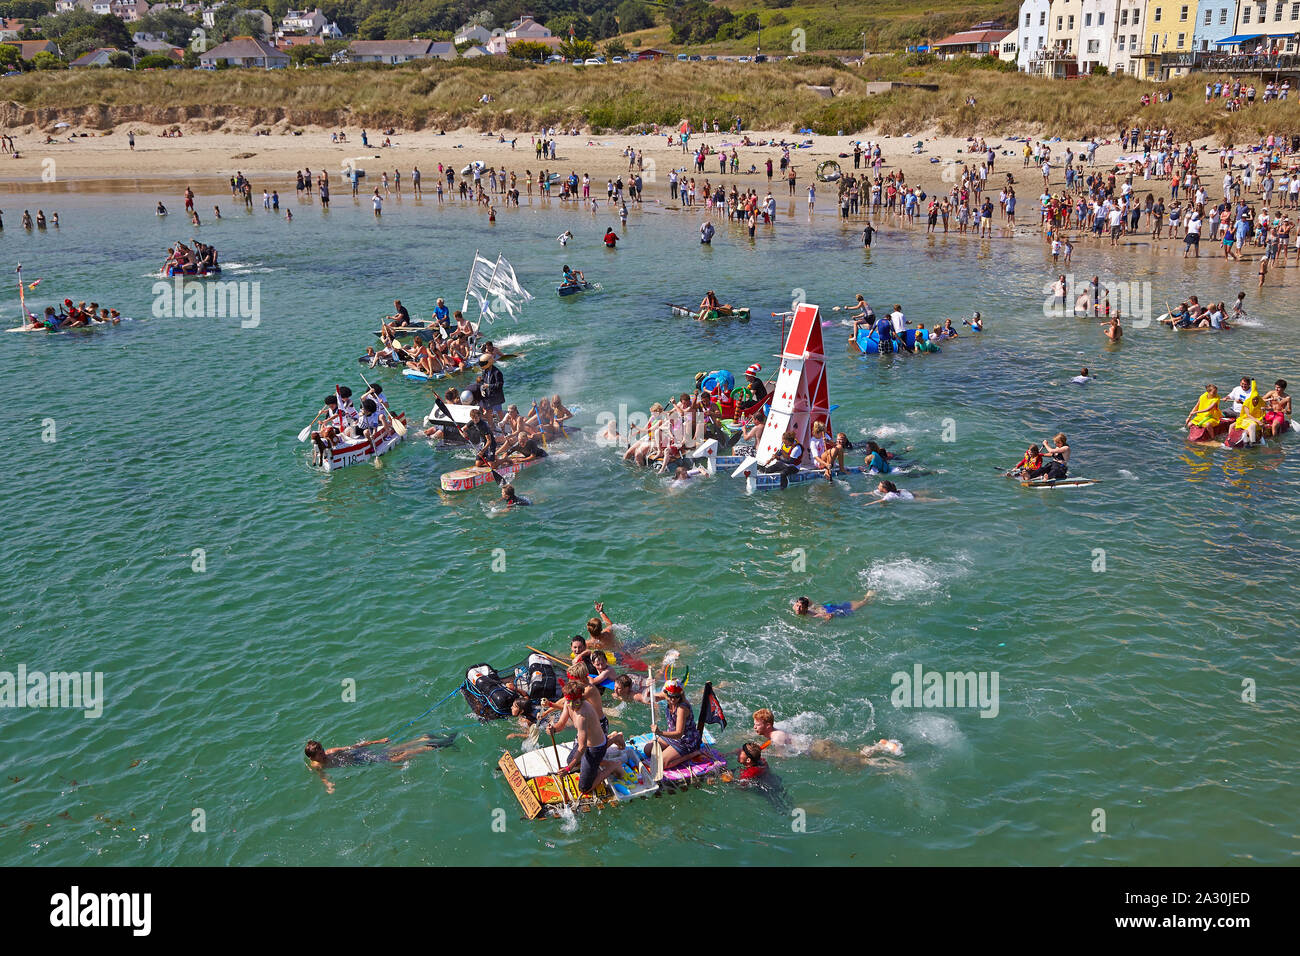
(848, 758)
(510, 498)
(765, 727)
(888, 491)
(320, 759)
(805, 608)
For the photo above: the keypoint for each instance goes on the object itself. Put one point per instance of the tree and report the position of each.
(121, 60)
(530, 50)
(616, 47)
(633, 16)
(9, 58)
(306, 54)
(375, 26)
(45, 60)
(577, 49)
(559, 26)
(170, 26)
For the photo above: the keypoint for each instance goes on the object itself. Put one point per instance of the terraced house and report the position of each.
(1159, 39)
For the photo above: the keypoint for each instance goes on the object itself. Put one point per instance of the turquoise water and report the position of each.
(1119, 690)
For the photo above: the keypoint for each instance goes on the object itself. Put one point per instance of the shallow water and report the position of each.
(1119, 690)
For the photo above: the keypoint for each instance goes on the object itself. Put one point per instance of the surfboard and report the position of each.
(1063, 483)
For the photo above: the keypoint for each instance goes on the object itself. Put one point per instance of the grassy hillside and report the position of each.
(775, 96)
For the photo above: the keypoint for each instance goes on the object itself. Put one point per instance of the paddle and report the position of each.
(550, 657)
(559, 779)
(393, 420)
(437, 401)
(657, 752)
(302, 435)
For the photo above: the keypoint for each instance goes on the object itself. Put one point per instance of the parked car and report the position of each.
(682, 57)
(760, 58)
(617, 59)
(593, 61)
(554, 59)
(695, 58)
(743, 59)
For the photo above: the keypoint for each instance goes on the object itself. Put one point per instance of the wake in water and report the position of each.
(915, 581)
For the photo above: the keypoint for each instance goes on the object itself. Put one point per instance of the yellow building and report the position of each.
(1169, 28)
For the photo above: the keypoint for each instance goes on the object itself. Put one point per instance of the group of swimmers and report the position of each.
(511, 439)
(71, 316)
(182, 260)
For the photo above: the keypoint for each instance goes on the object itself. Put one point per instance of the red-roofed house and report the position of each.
(980, 40)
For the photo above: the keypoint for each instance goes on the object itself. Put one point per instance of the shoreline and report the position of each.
(99, 165)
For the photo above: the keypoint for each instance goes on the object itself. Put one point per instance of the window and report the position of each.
(1245, 14)
(1121, 43)
(1123, 18)
(1087, 19)
(1182, 15)
(1027, 18)
(1181, 38)
(1157, 16)
(1042, 19)
(1041, 43)
(1295, 11)
(1208, 14)
(1093, 45)
(1060, 23)
(1071, 21)
(1155, 44)
(1101, 19)
(1223, 17)
(1277, 11)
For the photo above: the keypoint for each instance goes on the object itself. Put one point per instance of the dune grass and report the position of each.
(775, 96)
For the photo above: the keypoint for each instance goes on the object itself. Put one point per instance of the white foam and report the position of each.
(514, 340)
(1128, 475)
(917, 581)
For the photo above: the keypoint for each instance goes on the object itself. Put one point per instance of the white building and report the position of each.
(1096, 33)
(1031, 32)
(472, 34)
(1127, 45)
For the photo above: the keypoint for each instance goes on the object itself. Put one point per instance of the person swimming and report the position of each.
(355, 755)
(825, 612)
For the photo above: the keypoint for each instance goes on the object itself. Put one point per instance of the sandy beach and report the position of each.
(220, 154)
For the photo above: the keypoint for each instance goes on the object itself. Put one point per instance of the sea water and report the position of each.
(163, 527)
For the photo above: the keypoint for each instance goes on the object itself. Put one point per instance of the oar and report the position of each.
(393, 420)
(496, 475)
(559, 779)
(550, 657)
(302, 435)
(657, 752)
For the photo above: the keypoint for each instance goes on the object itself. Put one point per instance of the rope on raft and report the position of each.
(425, 714)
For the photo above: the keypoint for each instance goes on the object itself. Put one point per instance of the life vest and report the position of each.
(787, 451)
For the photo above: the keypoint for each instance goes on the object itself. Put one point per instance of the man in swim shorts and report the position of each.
(805, 608)
(589, 750)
